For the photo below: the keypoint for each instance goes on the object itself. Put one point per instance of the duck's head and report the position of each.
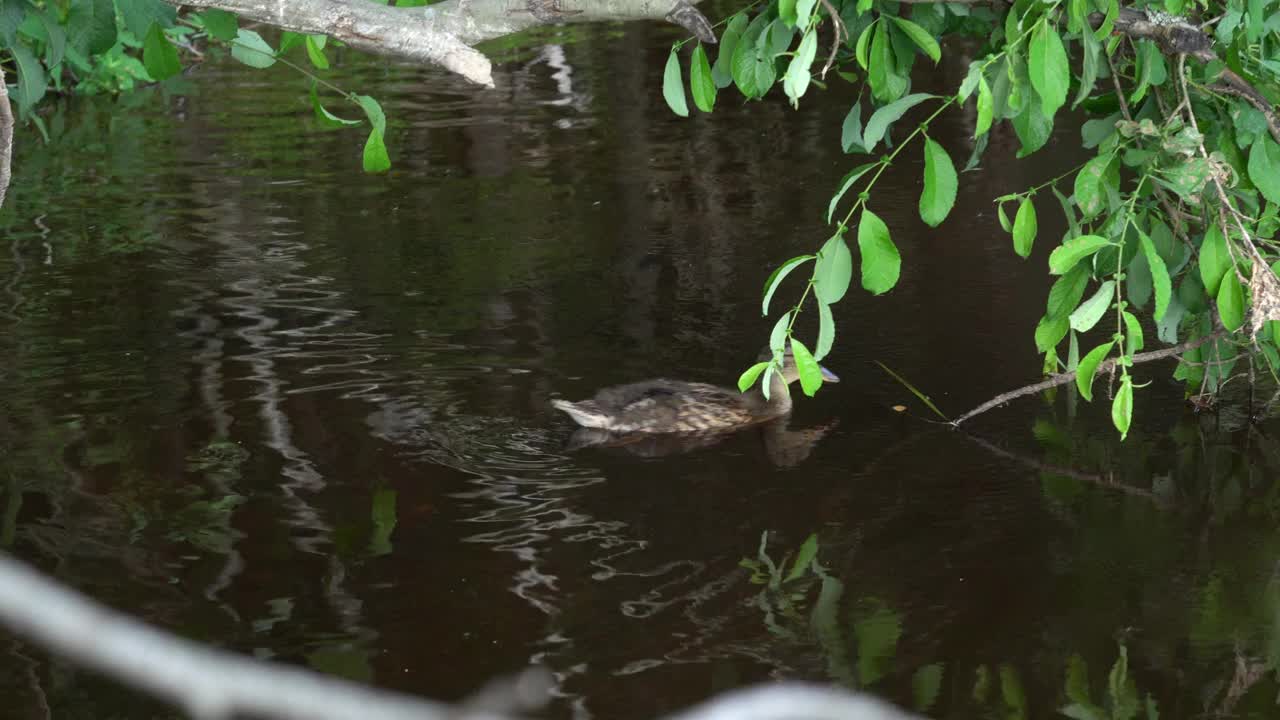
(790, 373)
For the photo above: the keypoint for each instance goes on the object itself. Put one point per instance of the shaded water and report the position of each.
(259, 399)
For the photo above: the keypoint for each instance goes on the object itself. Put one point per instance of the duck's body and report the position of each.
(675, 406)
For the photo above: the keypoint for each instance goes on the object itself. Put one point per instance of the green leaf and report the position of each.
(775, 279)
(1215, 259)
(1122, 407)
(701, 84)
(983, 123)
(1066, 292)
(91, 26)
(970, 82)
(884, 117)
(851, 131)
(220, 24)
(140, 15)
(250, 49)
(1048, 67)
(375, 158)
(323, 116)
(1050, 331)
(56, 43)
(1159, 275)
(804, 13)
(834, 269)
(315, 52)
(880, 260)
(1231, 301)
(1033, 128)
(1091, 310)
(748, 378)
(810, 373)
(722, 71)
(673, 86)
(778, 336)
(1024, 228)
(921, 37)
(159, 56)
(1089, 368)
(796, 80)
(766, 385)
(860, 49)
(939, 194)
(826, 331)
(787, 12)
(846, 183)
(1133, 339)
(1264, 168)
(1090, 185)
(1065, 257)
(31, 80)
(926, 683)
(1089, 72)
(808, 551)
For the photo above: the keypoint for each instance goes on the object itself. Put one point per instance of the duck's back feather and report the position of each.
(666, 406)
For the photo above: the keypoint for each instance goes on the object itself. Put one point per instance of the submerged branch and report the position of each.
(1066, 377)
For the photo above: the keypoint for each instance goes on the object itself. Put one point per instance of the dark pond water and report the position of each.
(267, 402)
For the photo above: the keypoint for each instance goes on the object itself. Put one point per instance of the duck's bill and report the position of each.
(828, 376)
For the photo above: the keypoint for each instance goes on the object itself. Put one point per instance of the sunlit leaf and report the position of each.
(1089, 188)
(1264, 167)
(808, 551)
(1047, 65)
(315, 52)
(1065, 256)
(673, 86)
(1231, 302)
(375, 158)
(796, 79)
(1133, 339)
(1122, 407)
(826, 331)
(1159, 275)
(921, 37)
(250, 49)
(775, 279)
(1215, 259)
(939, 194)
(722, 71)
(834, 270)
(748, 378)
(847, 183)
(1024, 228)
(1091, 310)
(323, 116)
(701, 83)
(807, 367)
(880, 260)
(778, 336)
(882, 118)
(851, 131)
(983, 123)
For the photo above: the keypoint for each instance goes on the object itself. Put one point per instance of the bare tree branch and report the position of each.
(214, 684)
(6, 137)
(442, 33)
(1066, 377)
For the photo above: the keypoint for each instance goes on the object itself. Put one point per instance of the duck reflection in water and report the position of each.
(662, 417)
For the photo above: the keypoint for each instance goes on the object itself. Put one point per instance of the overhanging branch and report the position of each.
(443, 33)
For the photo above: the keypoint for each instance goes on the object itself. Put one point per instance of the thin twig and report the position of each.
(1066, 377)
(840, 30)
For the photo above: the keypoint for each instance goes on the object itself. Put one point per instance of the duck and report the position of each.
(661, 405)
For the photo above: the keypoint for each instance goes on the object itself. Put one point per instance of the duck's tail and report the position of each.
(583, 413)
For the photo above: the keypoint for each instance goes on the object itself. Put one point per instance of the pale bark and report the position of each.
(215, 684)
(6, 137)
(441, 34)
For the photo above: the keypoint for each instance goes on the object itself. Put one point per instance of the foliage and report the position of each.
(111, 46)
(1171, 219)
